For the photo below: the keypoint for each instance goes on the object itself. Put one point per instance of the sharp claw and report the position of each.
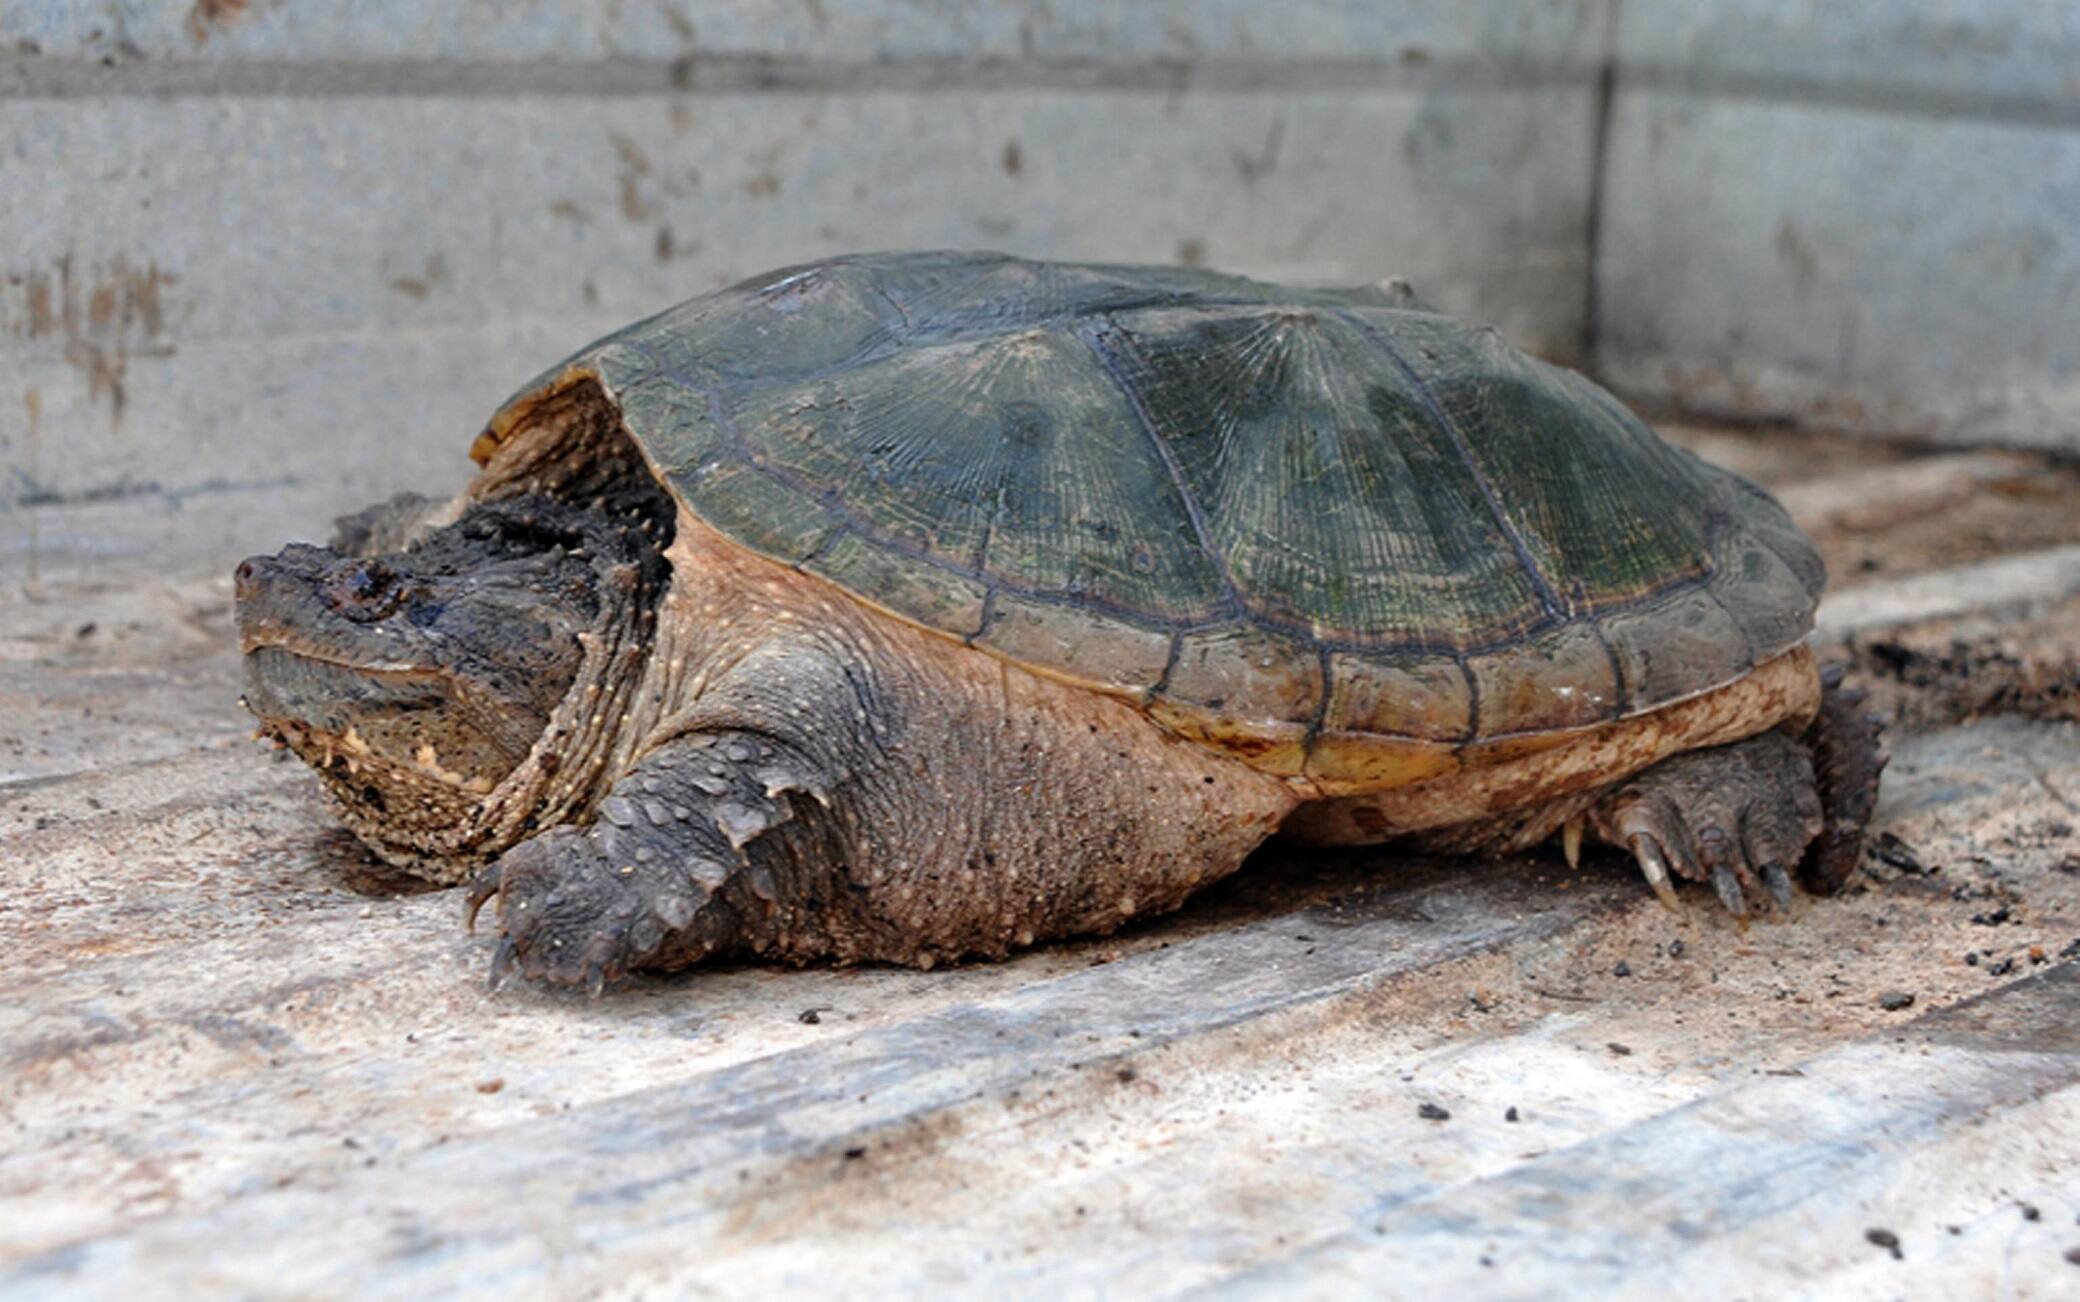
(596, 980)
(503, 963)
(1571, 840)
(1779, 883)
(481, 889)
(1655, 868)
(1729, 888)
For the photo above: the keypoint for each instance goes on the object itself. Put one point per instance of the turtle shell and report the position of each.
(1333, 531)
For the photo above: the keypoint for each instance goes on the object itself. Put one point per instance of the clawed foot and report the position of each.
(637, 888)
(570, 915)
(1749, 817)
(1738, 817)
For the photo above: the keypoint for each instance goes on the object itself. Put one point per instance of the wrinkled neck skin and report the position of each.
(596, 731)
(478, 684)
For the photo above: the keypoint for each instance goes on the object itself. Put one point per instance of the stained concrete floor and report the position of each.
(242, 1058)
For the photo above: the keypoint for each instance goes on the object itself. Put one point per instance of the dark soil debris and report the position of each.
(1922, 678)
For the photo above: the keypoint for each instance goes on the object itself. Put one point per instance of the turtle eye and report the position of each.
(363, 590)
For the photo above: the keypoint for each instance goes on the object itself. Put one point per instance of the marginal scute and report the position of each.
(695, 443)
(1763, 594)
(1549, 681)
(1246, 673)
(1664, 650)
(567, 397)
(1422, 696)
(620, 368)
(1765, 520)
(1501, 750)
(1279, 748)
(1081, 645)
(1341, 762)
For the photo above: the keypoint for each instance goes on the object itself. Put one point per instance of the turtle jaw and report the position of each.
(393, 748)
(344, 666)
(323, 708)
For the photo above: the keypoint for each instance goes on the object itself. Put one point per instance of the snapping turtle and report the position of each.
(906, 607)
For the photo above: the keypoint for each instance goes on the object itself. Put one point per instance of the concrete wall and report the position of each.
(268, 261)
(265, 260)
(1864, 216)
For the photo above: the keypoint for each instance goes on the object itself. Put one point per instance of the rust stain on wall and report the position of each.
(635, 167)
(432, 277)
(32, 456)
(103, 318)
(41, 319)
(647, 187)
(207, 15)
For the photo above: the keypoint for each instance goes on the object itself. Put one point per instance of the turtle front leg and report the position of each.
(725, 827)
(1746, 816)
(656, 880)
(877, 797)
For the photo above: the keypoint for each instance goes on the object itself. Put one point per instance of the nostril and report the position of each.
(245, 580)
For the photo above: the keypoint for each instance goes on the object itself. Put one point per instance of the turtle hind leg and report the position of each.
(1737, 817)
(1748, 816)
(1848, 757)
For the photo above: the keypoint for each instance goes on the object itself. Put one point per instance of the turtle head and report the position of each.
(417, 681)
